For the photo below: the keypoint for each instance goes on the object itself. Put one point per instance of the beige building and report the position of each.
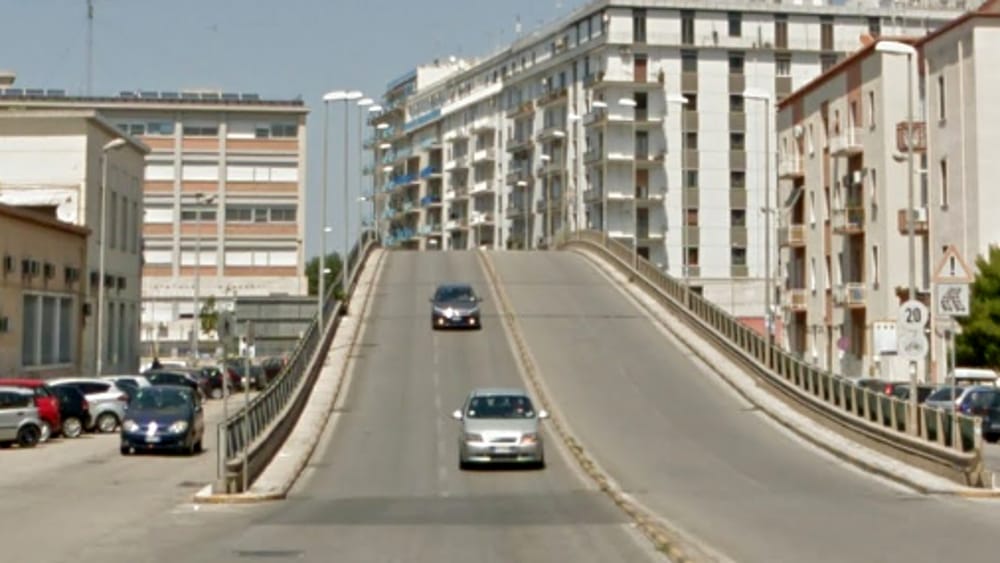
(42, 293)
(224, 195)
(52, 159)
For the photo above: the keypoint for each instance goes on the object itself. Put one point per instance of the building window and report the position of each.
(738, 255)
(871, 109)
(237, 214)
(160, 128)
(283, 214)
(738, 218)
(687, 27)
(736, 63)
(812, 274)
(783, 65)
(738, 179)
(827, 62)
(874, 27)
(736, 103)
(691, 179)
(689, 61)
(692, 255)
(781, 31)
(826, 33)
(875, 270)
(735, 24)
(941, 98)
(111, 229)
(691, 217)
(691, 140)
(943, 178)
(47, 329)
(201, 130)
(191, 214)
(737, 141)
(639, 25)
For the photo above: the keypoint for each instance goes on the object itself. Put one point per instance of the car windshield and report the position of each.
(944, 394)
(454, 293)
(500, 406)
(161, 399)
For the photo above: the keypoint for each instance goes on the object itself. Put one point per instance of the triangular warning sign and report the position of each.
(952, 268)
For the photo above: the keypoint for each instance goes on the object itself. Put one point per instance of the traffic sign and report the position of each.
(913, 316)
(952, 268)
(913, 345)
(952, 299)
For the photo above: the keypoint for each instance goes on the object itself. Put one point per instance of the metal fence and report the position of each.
(254, 432)
(924, 438)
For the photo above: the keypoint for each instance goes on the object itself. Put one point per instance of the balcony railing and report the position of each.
(920, 223)
(851, 294)
(552, 97)
(792, 235)
(790, 167)
(847, 142)
(797, 299)
(849, 220)
(523, 109)
(483, 187)
(484, 155)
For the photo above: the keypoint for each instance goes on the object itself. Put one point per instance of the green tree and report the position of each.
(979, 343)
(333, 263)
(209, 315)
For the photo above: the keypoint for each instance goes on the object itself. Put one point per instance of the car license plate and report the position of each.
(152, 439)
(502, 450)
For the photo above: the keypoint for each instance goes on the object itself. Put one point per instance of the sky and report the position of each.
(281, 49)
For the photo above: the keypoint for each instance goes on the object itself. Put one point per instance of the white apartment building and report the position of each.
(224, 191)
(51, 160)
(580, 125)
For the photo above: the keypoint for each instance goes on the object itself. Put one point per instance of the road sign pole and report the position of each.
(910, 323)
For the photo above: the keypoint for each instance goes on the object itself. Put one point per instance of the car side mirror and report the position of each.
(457, 415)
(543, 414)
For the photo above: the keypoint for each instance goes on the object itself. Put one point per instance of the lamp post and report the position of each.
(897, 48)
(200, 200)
(321, 289)
(630, 103)
(751, 94)
(679, 100)
(598, 104)
(114, 144)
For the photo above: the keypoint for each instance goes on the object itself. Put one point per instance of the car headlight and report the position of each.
(473, 437)
(178, 427)
(130, 426)
(529, 439)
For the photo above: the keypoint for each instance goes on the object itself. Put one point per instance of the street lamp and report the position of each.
(630, 103)
(114, 144)
(900, 49)
(682, 101)
(752, 94)
(200, 200)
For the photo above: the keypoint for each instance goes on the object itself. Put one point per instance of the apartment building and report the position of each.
(627, 117)
(224, 191)
(53, 160)
(42, 292)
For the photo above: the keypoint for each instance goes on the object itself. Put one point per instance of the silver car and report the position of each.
(19, 422)
(107, 401)
(500, 426)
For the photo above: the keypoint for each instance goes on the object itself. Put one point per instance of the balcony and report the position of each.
(550, 167)
(797, 299)
(556, 131)
(485, 187)
(847, 142)
(792, 235)
(592, 196)
(650, 159)
(918, 140)
(645, 196)
(483, 124)
(457, 192)
(849, 220)
(519, 144)
(521, 174)
(920, 223)
(593, 156)
(522, 110)
(515, 208)
(553, 97)
(485, 155)
(481, 218)
(851, 295)
(790, 167)
(457, 163)
(599, 81)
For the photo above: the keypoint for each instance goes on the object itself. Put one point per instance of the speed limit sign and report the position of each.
(913, 316)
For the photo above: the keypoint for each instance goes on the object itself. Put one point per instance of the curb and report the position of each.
(783, 421)
(665, 540)
(205, 495)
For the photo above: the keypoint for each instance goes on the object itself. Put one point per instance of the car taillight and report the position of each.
(888, 389)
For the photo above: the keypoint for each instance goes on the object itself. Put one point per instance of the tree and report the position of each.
(333, 263)
(209, 315)
(979, 343)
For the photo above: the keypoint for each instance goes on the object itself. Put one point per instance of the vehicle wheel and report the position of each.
(991, 438)
(45, 433)
(463, 465)
(72, 427)
(107, 422)
(5, 445)
(540, 464)
(217, 393)
(28, 436)
(125, 450)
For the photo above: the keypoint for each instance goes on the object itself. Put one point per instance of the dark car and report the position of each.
(164, 417)
(902, 391)
(73, 409)
(455, 305)
(983, 402)
(175, 377)
(259, 377)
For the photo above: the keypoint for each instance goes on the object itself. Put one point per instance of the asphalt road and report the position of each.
(687, 447)
(65, 495)
(385, 485)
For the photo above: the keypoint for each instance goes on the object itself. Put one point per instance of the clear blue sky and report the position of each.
(277, 48)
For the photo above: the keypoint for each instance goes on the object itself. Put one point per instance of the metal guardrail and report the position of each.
(253, 434)
(878, 420)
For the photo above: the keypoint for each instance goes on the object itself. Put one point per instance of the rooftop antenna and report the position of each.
(90, 47)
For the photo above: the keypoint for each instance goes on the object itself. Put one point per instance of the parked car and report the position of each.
(213, 379)
(45, 400)
(257, 379)
(164, 417)
(73, 409)
(130, 384)
(455, 305)
(175, 377)
(902, 391)
(499, 425)
(19, 420)
(107, 401)
(946, 397)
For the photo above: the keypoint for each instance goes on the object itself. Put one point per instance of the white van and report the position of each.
(973, 376)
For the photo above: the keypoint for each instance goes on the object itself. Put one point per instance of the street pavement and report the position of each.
(682, 443)
(66, 494)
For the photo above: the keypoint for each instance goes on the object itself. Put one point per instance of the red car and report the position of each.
(45, 400)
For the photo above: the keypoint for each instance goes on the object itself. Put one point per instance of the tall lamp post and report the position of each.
(630, 103)
(200, 200)
(752, 94)
(345, 96)
(902, 49)
(101, 251)
(681, 101)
